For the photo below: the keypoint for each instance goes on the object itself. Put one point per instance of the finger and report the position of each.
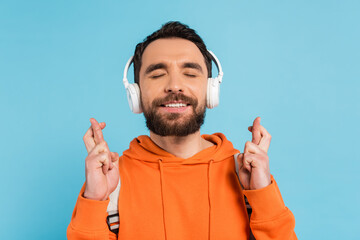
(114, 156)
(240, 159)
(101, 147)
(101, 160)
(98, 135)
(243, 165)
(256, 136)
(89, 138)
(241, 162)
(257, 161)
(253, 148)
(247, 161)
(111, 166)
(253, 160)
(265, 139)
(104, 161)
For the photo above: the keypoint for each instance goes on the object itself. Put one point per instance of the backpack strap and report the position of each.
(248, 207)
(113, 220)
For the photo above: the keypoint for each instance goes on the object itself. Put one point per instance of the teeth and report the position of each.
(175, 105)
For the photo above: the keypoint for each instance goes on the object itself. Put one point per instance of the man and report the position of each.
(177, 183)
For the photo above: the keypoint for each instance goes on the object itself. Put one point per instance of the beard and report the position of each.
(174, 124)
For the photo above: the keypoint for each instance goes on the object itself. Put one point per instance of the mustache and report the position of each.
(175, 97)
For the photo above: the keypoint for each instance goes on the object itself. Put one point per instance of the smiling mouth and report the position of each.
(175, 105)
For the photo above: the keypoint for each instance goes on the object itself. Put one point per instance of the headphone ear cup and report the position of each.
(133, 95)
(213, 93)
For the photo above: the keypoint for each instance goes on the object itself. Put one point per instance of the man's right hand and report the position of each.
(101, 165)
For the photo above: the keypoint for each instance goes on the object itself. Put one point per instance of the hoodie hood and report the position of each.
(143, 148)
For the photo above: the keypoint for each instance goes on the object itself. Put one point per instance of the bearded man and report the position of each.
(178, 184)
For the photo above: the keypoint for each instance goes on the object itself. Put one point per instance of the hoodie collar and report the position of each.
(144, 149)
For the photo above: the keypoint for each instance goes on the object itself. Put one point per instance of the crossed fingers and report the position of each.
(260, 135)
(96, 145)
(255, 152)
(93, 133)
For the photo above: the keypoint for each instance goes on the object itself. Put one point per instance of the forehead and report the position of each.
(171, 50)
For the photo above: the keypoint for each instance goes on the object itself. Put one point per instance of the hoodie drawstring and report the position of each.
(209, 194)
(162, 194)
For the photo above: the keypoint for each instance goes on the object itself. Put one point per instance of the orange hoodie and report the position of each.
(170, 198)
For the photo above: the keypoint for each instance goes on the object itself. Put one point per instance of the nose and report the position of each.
(174, 84)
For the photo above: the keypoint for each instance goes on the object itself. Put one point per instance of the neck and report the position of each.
(183, 147)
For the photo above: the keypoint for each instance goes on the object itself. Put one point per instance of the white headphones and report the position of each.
(212, 96)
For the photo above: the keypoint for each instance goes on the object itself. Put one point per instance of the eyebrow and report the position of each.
(153, 67)
(156, 66)
(193, 65)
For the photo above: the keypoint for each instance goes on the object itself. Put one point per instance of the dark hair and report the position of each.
(172, 29)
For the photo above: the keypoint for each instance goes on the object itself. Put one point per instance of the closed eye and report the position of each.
(190, 75)
(157, 76)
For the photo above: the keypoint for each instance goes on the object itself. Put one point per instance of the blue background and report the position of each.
(294, 63)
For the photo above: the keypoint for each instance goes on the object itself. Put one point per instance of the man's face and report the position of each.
(173, 84)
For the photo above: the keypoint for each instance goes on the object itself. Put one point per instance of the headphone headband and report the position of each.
(126, 69)
(218, 65)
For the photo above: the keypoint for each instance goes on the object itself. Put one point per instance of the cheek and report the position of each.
(144, 100)
(202, 93)
(148, 96)
(144, 93)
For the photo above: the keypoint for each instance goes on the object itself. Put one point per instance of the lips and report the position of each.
(175, 104)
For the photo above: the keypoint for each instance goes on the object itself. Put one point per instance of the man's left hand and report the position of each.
(254, 172)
